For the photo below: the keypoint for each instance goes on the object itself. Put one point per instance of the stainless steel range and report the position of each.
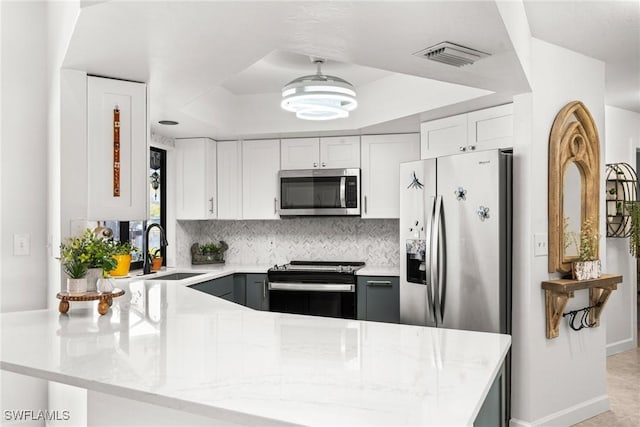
(319, 288)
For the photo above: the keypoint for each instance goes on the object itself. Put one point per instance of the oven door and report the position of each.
(315, 299)
(319, 192)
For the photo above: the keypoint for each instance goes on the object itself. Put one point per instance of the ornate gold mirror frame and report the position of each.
(573, 141)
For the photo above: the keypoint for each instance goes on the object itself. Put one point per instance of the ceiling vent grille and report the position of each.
(451, 54)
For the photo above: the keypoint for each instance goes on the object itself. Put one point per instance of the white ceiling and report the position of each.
(605, 30)
(218, 67)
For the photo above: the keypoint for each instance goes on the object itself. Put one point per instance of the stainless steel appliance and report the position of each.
(319, 288)
(319, 192)
(455, 245)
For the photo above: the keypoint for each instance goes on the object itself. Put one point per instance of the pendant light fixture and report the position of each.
(319, 96)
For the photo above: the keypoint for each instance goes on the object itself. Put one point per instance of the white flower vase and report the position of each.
(105, 285)
(584, 270)
(93, 274)
(76, 286)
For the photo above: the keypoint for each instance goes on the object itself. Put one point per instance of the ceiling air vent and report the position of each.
(452, 54)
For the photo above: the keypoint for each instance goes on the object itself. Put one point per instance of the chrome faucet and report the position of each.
(146, 269)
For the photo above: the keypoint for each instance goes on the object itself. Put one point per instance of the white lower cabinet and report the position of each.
(229, 180)
(381, 158)
(260, 166)
(116, 195)
(196, 178)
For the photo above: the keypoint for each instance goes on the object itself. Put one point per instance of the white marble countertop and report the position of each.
(214, 271)
(378, 270)
(209, 272)
(179, 348)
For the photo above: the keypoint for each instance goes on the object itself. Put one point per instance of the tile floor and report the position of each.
(623, 382)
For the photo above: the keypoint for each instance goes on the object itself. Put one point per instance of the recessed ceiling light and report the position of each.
(168, 122)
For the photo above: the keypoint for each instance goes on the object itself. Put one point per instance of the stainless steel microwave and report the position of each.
(319, 192)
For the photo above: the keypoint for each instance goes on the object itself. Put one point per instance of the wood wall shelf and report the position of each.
(557, 293)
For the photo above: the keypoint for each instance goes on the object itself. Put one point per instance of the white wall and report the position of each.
(24, 177)
(557, 381)
(622, 140)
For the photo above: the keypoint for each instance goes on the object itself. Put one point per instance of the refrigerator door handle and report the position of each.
(442, 258)
(435, 260)
(429, 281)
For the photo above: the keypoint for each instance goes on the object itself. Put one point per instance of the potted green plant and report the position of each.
(588, 264)
(210, 253)
(633, 209)
(75, 264)
(156, 258)
(98, 254)
(122, 252)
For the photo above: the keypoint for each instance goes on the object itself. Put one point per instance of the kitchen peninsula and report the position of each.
(213, 361)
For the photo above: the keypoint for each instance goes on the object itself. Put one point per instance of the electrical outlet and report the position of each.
(540, 244)
(21, 244)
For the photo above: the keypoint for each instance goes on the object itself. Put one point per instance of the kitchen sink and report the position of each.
(176, 276)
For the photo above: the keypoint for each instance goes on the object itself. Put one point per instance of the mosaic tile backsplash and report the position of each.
(374, 241)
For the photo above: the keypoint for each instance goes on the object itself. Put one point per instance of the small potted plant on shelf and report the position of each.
(210, 253)
(588, 264)
(156, 259)
(122, 252)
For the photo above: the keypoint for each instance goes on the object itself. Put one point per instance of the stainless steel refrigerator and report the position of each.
(455, 245)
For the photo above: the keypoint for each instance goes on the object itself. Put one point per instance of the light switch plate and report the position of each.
(540, 244)
(21, 244)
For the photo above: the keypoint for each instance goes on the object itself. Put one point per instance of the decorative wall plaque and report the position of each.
(116, 152)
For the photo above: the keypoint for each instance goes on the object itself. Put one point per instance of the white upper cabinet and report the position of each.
(330, 153)
(104, 202)
(260, 166)
(381, 158)
(443, 136)
(300, 153)
(229, 180)
(491, 128)
(340, 152)
(478, 130)
(196, 162)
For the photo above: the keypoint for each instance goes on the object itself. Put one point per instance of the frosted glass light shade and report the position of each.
(319, 97)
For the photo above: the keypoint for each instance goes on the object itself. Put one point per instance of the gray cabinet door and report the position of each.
(257, 295)
(379, 299)
(239, 289)
(222, 287)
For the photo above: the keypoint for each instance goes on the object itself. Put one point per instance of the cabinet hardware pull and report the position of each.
(324, 164)
(315, 165)
(472, 147)
(275, 205)
(211, 202)
(365, 204)
(378, 283)
(264, 289)
(463, 149)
